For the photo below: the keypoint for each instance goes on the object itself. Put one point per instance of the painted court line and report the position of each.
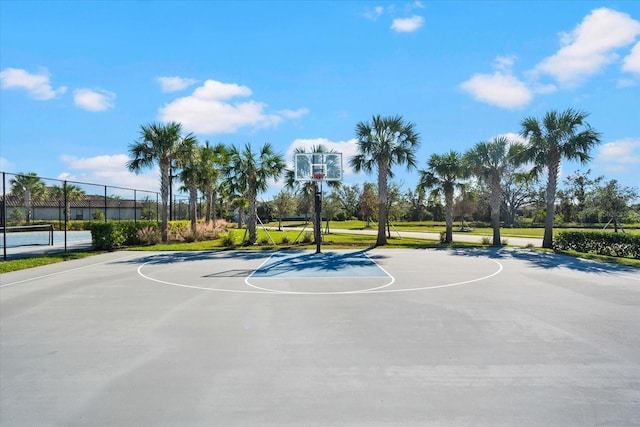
(66, 271)
(358, 291)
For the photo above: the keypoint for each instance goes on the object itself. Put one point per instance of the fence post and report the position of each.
(4, 217)
(66, 214)
(105, 203)
(135, 207)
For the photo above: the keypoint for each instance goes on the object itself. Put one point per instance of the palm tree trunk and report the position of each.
(164, 195)
(448, 216)
(213, 212)
(496, 196)
(252, 223)
(193, 201)
(552, 183)
(382, 205)
(27, 205)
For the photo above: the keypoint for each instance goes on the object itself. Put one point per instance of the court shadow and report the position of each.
(290, 262)
(544, 260)
(183, 256)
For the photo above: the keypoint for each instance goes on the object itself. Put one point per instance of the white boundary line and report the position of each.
(378, 289)
(500, 267)
(66, 271)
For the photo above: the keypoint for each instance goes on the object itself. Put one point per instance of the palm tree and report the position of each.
(158, 143)
(30, 188)
(444, 175)
(188, 162)
(248, 173)
(72, 193)
(383, 143)
(560, 135)
(213, 160)
(489, 161)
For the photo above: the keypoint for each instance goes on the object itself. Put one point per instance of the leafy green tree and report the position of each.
(558, 136)
(489, 162)
(444, 174)
(518, 189)
(612, 201)
(29, 188)
(578, 185)
(348, 196)
(417, 200)
(368, 202)
(383, 143)
(464, 206)
(248, 173)
(330, 209)
(158, 143)
(283, 203)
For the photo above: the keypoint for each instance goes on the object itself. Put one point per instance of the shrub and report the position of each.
(148, 235)
(97, 215)
(107, 236)
(112, 235)
(599, 242)
(285, 240)
(179, 230)
(486, 240)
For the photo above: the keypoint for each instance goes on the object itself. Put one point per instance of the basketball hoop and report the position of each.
(318, 176)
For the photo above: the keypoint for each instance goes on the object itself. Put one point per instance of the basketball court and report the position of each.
(373, 337)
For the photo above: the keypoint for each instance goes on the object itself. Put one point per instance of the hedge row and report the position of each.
(599, 242)
(112, 235)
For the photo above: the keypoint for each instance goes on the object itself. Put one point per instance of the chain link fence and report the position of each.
(39, 211)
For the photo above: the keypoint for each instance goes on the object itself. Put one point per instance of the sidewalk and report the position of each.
(457, 237)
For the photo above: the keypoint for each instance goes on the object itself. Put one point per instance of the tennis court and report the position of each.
(376, 337)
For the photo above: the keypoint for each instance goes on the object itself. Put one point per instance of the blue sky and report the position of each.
(77, 79)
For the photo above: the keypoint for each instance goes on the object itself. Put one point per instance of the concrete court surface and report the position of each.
(381, 337)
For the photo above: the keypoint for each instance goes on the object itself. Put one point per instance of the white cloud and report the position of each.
(109, 170)
(347, 148)
(293, 114)
(374, 14)
(620, 155)
(206, 110)
(37, 85)
(94, 99)
(174, 84)
(212, 89)
(514, 137)
(631, 62)
(407, 25)
(590, 46)
(499, 89)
